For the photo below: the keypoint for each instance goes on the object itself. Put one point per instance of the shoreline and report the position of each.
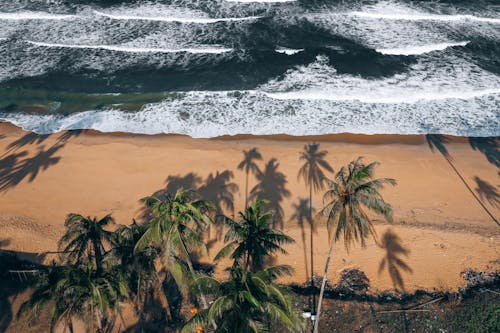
(436, 219)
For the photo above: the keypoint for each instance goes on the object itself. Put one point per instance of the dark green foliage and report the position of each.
(252, 239)
(247, 302)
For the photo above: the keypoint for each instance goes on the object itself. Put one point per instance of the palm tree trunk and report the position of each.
(303, 234)
(246, 191)
(312, 251)
(70, 326)
(322, 290)
(98, 256)
(163, 300)
(202, 296)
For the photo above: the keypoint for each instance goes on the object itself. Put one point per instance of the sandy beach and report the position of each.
(440, 229)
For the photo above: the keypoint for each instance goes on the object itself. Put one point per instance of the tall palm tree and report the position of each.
(249, 302)
(313, 175)
(77, 291)
(248, 164)
(138, 266)
(86, 237)
(351, 192)
(252, 239)
(177, 225)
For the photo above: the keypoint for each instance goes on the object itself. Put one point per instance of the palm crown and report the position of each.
(252, 238)
(351, 192)
(247, 302)
(86, 237)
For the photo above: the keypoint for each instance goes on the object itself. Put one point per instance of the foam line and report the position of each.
(134, 49)
(202, 20)
(420, 49)
(289, 51)
(35, 16)
(375, 99)
(425, 17)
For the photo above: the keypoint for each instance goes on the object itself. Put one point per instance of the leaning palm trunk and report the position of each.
(323, 285)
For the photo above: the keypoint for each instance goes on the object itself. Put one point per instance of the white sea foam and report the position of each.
(288, 51)
(420, 49)
(394, 98)
(18, 16)
(179, 19)
(260, 1)
(120, 48)
(209, 114)
(424, 17)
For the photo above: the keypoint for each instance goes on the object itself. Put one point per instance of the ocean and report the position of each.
(207, 68)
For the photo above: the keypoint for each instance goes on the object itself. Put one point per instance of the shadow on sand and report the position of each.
(18, 165)
(302, 217)
(486, 146)
(391, 243)
(271, 185)
(489, 147)
(487, 192)
(13, 284)
(216, 187)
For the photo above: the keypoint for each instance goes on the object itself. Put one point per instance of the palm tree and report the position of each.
(77, 291)
(353, 190)
(313, 175)
(247, 302)
(248, 164)
(86, 238)
(252, 239)
(177, 225)
(138, 266)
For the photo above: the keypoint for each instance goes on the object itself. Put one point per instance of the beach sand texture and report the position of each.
(439, 230)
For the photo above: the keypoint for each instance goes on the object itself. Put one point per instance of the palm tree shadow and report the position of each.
(13, 169)
(490, 147)
(28, 139)
(219, 189)
(272, 187)
(487, 192)
(438, 141)
(302, 216)
(391, 243)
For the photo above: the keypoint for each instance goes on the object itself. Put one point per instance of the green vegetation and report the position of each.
(155, 263)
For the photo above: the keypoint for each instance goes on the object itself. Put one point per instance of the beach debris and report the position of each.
(352, 281)
(477, 279)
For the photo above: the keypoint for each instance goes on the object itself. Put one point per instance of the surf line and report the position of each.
(420, 49)
(177, 19)
(129, 49)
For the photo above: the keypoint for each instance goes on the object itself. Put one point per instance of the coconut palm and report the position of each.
(177, 225)
(312, 173)
(353, 191)
(86, 237)
(77, 291)
(248, 165)
(138, 266)
(247, 302)
(252, 239)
